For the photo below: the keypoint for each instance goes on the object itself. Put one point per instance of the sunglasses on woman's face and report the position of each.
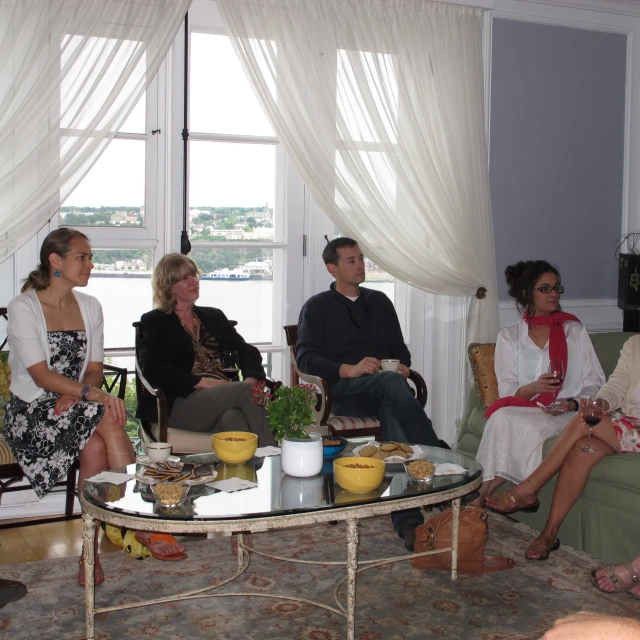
(547, 288)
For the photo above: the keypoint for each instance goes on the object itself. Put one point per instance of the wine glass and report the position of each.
(230, 364)
(556, 369)
(592, 411)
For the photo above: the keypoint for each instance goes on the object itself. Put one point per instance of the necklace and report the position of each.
(195, 332)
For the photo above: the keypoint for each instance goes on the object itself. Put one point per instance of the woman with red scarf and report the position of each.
(511, 445)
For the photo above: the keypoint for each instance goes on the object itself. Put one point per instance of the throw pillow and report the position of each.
(481, 357)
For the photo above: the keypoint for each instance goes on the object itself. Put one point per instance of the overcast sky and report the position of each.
(221, 174)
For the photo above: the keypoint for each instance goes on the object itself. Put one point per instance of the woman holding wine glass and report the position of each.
(187, 350)
(607, 424)
(542, 363)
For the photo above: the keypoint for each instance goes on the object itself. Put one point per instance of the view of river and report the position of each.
(250, 302)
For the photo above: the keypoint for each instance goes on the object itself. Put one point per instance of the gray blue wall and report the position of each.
(556, 160)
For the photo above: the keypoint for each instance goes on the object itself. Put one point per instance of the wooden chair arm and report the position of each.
(322, 410)
(119, 378)
(420, 386)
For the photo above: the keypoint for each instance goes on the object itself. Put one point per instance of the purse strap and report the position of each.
(497, 563)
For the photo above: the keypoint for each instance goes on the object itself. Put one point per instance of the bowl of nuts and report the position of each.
(170, 494)
(234, 446)
(332, 446)
(359, 475)
(420, 470)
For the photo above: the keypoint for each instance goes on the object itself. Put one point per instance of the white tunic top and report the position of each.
(519, 361)
(511, 445)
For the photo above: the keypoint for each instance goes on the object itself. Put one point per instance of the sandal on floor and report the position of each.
(614, 579)
(98, 573)
(154, 539)
(510, 501)
(540, 547)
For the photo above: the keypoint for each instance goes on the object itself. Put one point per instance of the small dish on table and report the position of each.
(170, 494)
(420, 470)
(332, 446)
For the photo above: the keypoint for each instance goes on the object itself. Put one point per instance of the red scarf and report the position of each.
(557, 351)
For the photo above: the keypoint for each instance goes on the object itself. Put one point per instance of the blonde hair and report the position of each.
(59, 242)
(167, 272)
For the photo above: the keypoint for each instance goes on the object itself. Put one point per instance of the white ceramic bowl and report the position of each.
(158, 451)
(390, 365)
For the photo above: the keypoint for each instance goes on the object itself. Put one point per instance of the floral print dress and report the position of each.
(45, 444)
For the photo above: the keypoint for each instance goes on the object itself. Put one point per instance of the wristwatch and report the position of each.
(575, 402)
(86, 390)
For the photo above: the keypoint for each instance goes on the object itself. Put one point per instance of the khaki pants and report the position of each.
(227, 407)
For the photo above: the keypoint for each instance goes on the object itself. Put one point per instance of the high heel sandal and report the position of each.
(98, 576)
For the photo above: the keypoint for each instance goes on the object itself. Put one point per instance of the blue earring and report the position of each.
(57, 273)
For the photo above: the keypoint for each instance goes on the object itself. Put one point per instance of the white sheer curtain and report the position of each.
(380, 105)
(71, 71)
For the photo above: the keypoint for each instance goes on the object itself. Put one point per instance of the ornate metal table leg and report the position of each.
(240, 542)
(88, 546)
(352, 567)
(455, 528)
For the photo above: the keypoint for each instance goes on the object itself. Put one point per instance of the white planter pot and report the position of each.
(302, 458)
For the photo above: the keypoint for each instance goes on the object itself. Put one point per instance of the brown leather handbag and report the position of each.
(472, 538)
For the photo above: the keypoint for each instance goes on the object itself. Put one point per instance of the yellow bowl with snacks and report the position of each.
(234, 446)
(358, 474)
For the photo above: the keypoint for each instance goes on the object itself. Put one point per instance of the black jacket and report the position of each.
(165, 355)
(333, 330)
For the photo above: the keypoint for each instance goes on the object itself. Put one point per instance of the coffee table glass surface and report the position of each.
(276, 494)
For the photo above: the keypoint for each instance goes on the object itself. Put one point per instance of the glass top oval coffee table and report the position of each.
(278, 501)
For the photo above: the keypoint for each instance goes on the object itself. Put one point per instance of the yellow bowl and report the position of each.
(234, 446)
(359, 480)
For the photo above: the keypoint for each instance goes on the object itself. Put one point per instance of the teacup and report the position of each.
(158, 451)
(390, 365)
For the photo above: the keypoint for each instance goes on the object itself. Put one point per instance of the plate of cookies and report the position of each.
(390, 451)
(187, 473)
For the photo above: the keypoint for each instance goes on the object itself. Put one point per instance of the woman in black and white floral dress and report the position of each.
(57, 412)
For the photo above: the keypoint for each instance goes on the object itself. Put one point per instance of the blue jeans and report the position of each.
(387, 396)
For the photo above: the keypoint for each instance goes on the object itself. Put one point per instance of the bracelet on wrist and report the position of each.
(86, 390)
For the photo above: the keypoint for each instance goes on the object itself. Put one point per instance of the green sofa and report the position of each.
(605, 521)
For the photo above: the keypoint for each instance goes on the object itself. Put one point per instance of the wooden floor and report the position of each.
(44, 541)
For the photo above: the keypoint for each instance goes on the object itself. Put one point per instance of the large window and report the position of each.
(116, 206)
(235, 212)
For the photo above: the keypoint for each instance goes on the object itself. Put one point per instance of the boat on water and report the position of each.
(226, 274)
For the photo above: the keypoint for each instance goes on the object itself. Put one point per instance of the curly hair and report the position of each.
(167, 272)
(522, 278)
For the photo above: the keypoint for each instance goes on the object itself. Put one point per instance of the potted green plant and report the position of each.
(290, 414)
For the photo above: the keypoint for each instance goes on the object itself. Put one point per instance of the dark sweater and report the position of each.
(333, 330)
(165, 354)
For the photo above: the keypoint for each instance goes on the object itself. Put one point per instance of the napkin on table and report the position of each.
(263, 452)
(232, 484)
(449, 469)
(112, 477)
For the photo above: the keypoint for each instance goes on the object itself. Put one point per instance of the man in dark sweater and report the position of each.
(343, 334)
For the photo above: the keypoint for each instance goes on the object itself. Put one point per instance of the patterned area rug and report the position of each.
(394, 602)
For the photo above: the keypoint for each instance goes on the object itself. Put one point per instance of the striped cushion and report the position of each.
(344, 423)
(6, 457)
